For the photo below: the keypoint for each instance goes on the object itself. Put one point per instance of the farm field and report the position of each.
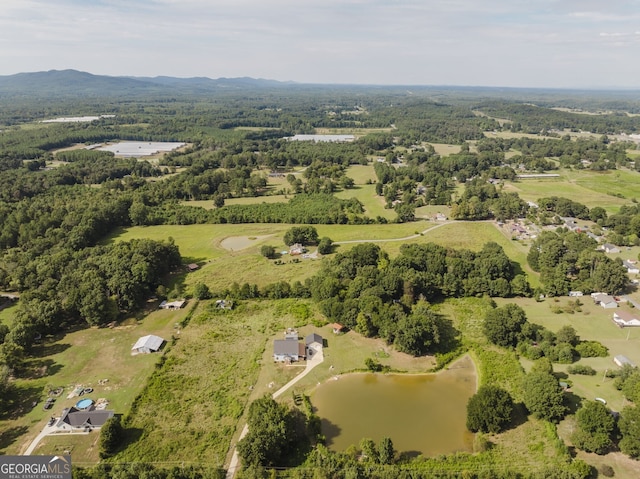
(582, 188)
(221, 267)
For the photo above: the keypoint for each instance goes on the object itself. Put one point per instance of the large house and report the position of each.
(610, 248)
(288, 350)
(626, 319)
(73, 418)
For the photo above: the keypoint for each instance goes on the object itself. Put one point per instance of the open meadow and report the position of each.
(609, 190)
(231, 253)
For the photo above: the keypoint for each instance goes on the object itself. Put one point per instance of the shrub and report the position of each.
(592, 349)
(581, 369)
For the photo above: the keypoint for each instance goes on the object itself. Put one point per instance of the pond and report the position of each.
(422, 414)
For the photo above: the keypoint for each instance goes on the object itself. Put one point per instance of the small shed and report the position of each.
(336, 327)
(621, 360)
(172, 305)
(147, 344)
(192, 267)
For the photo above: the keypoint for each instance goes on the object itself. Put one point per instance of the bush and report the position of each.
(268, 251)
(592, 349)
(581, 369)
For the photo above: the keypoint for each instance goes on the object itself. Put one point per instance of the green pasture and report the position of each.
(83, 357)
(444, 149)
(533, 189)
(208, 245)
(373, 204)
(6, 314)
(619, 182)
(361, 174)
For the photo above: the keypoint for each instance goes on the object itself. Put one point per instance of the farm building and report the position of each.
(575, 294)
(297, 248)
(172, 304)
(192, 267)
(604, 300)
(147, 344)
(73, 418)
(621, 360)
(288, 350)
(626, 319)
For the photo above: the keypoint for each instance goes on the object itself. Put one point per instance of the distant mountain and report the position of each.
(75, 83)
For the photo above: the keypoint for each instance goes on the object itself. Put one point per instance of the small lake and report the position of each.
(422, 414)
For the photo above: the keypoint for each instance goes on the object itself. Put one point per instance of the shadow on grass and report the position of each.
(19, 401)
(50, 349)
(572, 401)
(39, 368)
(9, 436)
(519, 416)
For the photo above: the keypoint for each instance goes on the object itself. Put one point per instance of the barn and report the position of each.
(147, 344)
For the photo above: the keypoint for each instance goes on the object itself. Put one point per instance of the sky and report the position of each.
(511, 43)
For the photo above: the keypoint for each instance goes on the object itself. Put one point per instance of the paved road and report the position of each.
(316, 359)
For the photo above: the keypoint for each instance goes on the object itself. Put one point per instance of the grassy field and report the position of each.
(373, 204)
(584, 186)
(82, 357)
(221, 267)
(575, 188)
(444, 149)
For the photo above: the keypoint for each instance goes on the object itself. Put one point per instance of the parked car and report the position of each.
(52, 421)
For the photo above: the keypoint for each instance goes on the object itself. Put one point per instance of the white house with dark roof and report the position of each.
(288, 350)
(610, 248)
(73, 418)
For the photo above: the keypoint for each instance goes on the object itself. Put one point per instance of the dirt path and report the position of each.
(406, 238)
(316, 359)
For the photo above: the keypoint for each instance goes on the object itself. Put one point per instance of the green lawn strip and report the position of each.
(7, 313)
(84, 357)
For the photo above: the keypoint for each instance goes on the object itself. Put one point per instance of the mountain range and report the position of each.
(77, 83)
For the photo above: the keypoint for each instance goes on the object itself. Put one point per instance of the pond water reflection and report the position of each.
(422, 414)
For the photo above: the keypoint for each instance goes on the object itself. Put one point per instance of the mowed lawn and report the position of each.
(82, 357)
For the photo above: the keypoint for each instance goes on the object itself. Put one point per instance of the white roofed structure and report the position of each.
(147, 344)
